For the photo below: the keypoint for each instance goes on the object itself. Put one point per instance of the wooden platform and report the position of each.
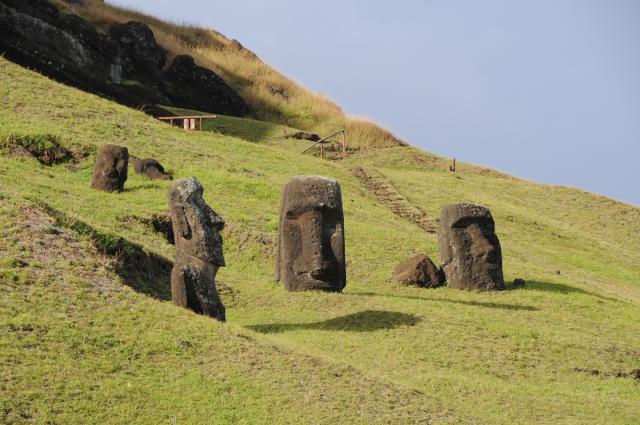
(189, 121)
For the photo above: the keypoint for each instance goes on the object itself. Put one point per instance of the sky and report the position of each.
(547, 90)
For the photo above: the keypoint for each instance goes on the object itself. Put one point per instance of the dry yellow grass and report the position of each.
(272, 96)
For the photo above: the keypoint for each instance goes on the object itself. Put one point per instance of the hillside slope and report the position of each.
(141, 61)
(88, 333)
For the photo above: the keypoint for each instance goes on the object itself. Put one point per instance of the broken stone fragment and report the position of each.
(518, 283)
(419, 271)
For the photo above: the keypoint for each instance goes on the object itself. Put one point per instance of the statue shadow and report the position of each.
(142, 186)
(364, 321)
(143, 271)
(469, 303)
(558, 288)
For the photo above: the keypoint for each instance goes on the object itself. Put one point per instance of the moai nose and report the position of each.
(315, 247)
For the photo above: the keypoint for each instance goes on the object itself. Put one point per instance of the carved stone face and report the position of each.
(110, 172)
(469, 248)
(311, 236)
(196, 226)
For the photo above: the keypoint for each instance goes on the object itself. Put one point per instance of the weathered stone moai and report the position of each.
(196, 229)
(151, 168)
(419, 271)
(311, 236)
(469, 248)
(110, 172)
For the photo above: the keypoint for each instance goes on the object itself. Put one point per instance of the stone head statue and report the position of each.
(196, 226)
(151, 168)
(311, 236)
(469, 248)
(110, 172)
(196, 229)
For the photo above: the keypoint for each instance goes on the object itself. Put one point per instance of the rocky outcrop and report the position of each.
(519, 283)
(139, 51)
(38, 9)
(68, 48)
(202, 89)
(36, 40)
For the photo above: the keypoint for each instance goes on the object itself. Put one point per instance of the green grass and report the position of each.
(270, 95)
(251, 130)
(80, 342)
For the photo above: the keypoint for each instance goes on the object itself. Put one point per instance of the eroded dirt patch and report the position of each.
(159, 222)
(45, 148)
(39, 251)
(142, 270)
(634, 374)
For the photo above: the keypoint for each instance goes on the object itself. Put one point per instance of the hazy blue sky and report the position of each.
(544, 89)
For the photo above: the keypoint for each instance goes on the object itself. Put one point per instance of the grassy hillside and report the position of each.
(88, 332)
(272, 96)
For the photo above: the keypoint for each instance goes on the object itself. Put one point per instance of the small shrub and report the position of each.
(13, 277)
(52, 230)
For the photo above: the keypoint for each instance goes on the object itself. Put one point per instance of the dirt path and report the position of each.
(384, 191)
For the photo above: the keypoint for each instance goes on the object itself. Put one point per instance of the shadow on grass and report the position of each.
(143, 271)
(471, 303)
(364, 321)
(558, 288)
(139, 187)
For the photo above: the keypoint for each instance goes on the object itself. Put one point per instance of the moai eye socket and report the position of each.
(292, 215)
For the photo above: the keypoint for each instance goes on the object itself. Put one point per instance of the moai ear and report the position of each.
(181, 224)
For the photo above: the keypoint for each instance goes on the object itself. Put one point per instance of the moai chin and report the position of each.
(311, 236)
(469, 248)
(110, 171)
(196, 229)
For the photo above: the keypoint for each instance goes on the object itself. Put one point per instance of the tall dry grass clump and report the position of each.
(272, 96)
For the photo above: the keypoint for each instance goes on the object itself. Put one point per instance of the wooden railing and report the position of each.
(189, 121)
(326, 140)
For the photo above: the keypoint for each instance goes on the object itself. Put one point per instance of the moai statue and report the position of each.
(110, 172)
(151, 168)
(196, 229)
(469, 248)
(311, 236)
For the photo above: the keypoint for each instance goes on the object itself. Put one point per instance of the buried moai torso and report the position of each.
(196, 229)
(311, 236)
(151, 168)
(469, 248)
(110, 172)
